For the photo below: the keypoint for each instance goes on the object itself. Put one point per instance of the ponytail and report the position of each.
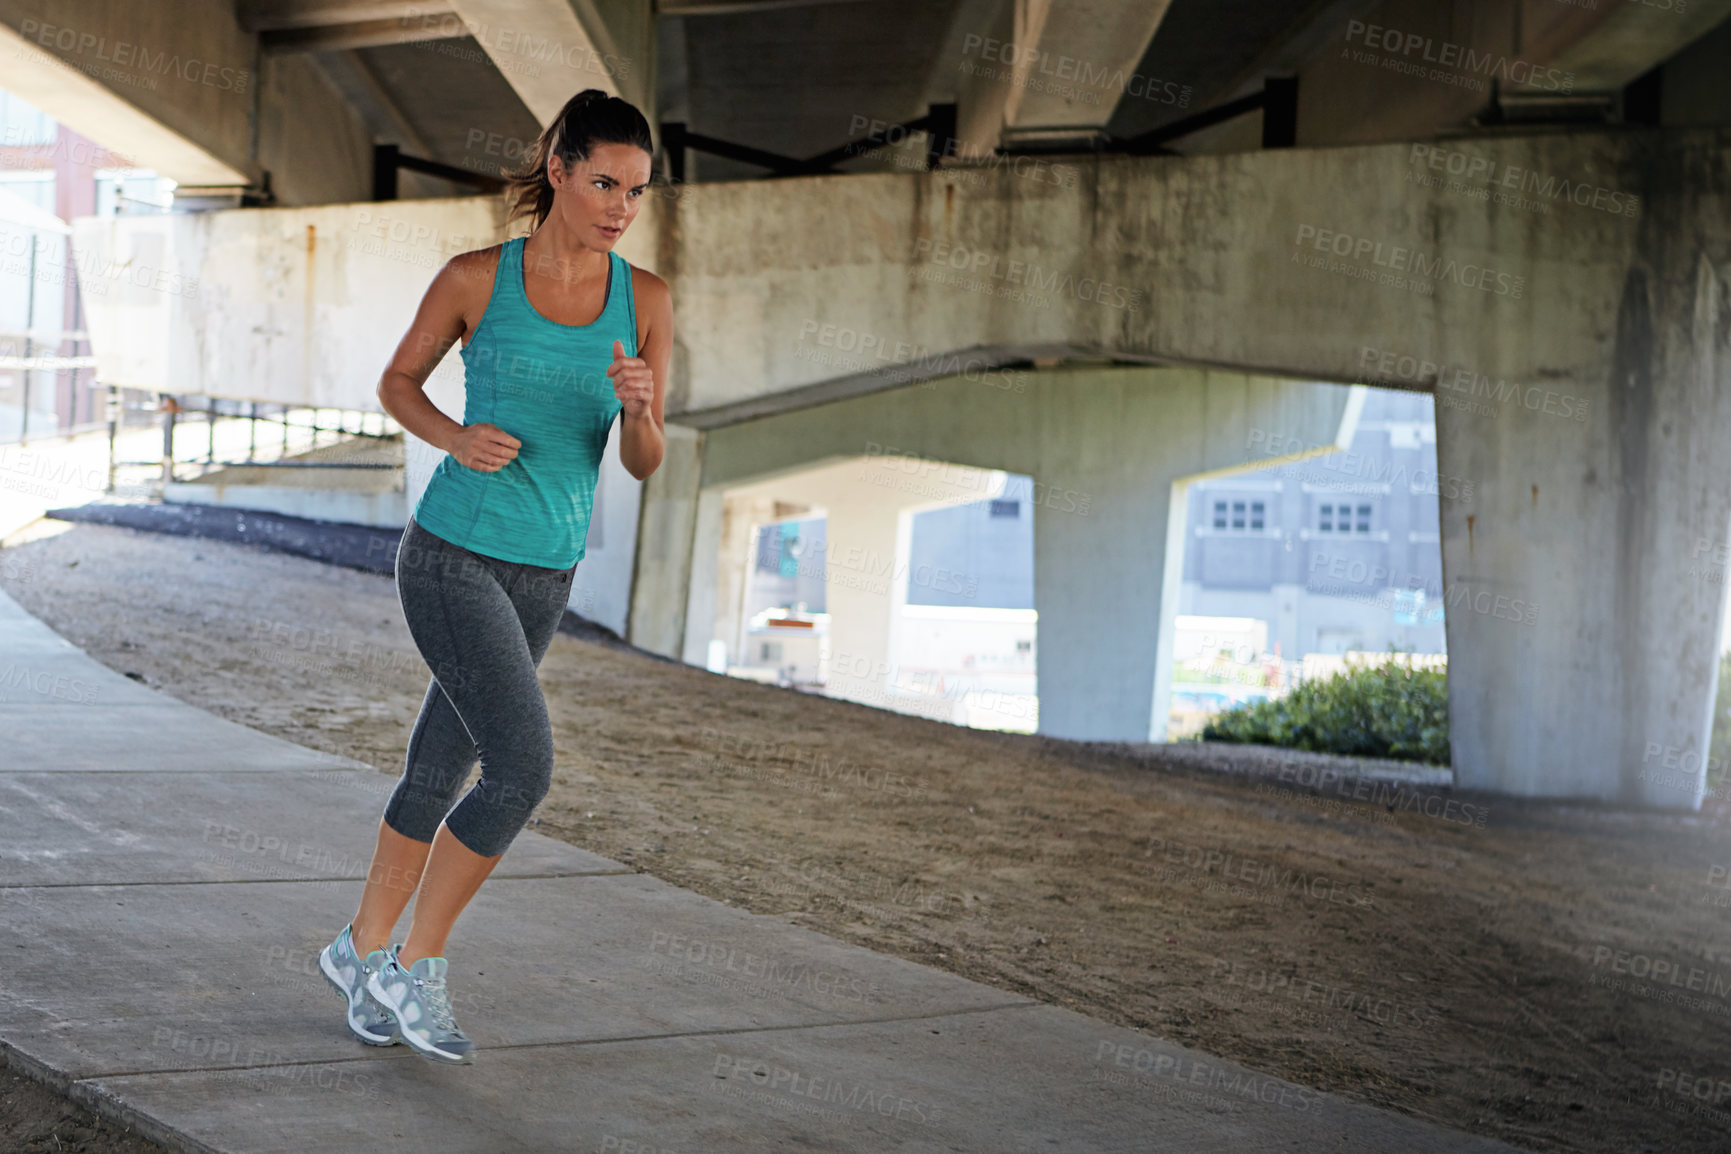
(589, 118)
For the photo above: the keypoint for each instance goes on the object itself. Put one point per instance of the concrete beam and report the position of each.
(343, 37)
(272, 15)
(1041, 70)
(1070, 64)
(178, 100)
(1606, 47)
(734, 7)
(807, 288)
(549, 50)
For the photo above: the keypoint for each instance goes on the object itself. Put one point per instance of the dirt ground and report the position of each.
(37, 1120)
(1555, 977)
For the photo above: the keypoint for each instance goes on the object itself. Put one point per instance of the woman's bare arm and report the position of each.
(440, 322)
(641, 381)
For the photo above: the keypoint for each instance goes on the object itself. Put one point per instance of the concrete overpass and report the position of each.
(1520, 209)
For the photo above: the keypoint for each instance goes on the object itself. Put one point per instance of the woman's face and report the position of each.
(598, 197)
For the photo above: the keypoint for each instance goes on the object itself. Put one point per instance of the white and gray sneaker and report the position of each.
(417, 998)
(347, 972)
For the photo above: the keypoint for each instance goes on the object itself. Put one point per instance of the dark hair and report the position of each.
(589, 118)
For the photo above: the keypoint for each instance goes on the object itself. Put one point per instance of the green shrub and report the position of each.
(1386, 710)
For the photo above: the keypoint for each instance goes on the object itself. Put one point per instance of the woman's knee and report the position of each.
(525, 780)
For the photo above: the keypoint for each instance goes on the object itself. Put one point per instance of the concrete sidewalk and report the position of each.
(168, 878)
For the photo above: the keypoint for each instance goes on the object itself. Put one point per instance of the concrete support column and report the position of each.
(1100, 545)
(1585, 582)
(666, 529)
(865, 553)
(723, 614)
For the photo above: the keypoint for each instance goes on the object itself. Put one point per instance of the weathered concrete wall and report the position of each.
(811, 289)
(294, 305)
(1586, 576)
(1105, 447)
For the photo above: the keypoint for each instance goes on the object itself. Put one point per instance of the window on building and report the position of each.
(1342, 518)
(1239, 516)
(1010, 509)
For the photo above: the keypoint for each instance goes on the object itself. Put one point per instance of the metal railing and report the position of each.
(287, 429)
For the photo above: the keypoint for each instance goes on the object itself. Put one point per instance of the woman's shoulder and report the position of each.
(648, 288)
(470, 274)
(477, 261)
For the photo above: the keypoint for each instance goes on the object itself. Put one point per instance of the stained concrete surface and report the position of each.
(167, 879)
(97, 828)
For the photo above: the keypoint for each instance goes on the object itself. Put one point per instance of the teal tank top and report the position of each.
(546, 384)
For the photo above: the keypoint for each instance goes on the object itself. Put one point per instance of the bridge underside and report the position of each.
(1563, 295)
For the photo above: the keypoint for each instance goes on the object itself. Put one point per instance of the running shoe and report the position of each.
(417, 997)
(347, 973)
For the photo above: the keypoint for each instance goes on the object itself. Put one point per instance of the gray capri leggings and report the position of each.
(482, 625)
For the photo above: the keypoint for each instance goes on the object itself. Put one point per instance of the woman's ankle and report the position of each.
(364, 940)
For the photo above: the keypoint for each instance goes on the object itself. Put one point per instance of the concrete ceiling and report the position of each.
(488, 126)
(797, 78)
